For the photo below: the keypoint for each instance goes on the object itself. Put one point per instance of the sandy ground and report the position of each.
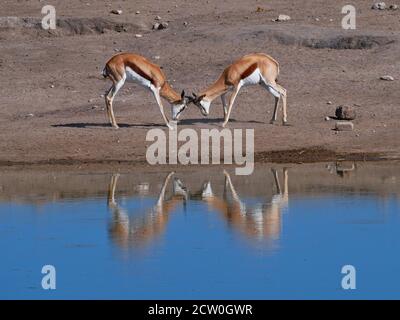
(67, 123)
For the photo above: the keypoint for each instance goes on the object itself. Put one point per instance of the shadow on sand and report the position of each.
(215, 121)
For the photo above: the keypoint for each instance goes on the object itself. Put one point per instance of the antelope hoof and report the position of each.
(285, 123)
(224, 124)
(272, 121)
(115, 126)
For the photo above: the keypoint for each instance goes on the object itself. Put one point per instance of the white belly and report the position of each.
(254, 78)
(132, 76)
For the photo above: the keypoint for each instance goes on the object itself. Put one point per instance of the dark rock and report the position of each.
(345, 113)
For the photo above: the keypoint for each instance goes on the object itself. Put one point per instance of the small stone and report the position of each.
(157, 18)
(327, 118)
(95, 107)
(345, 113)
(114, 11)
(344, 126)
(52, 86)
(393, 7)
(157, 57)
(164, 25)
(137, 12)
(30, 115)
(283, 17)
(259, 9)
(387, 78)
(138, 35)
(185, 23)
(379, 6)
(316, 19)
(160, 26)
(329, 102)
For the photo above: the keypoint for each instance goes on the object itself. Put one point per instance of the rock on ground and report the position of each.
(379, 6)
(344, 126)
(283, 17)
(387, 78)
(345, 113)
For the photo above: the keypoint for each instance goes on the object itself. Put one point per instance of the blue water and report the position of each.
(195, 251)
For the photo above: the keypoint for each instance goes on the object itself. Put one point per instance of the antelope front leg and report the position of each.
(231, 102)
(223, 99)
(275, 114)
(156, 93)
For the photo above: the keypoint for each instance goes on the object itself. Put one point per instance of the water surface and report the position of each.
(145, 233)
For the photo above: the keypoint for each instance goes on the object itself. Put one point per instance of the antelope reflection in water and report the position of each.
(136, 231)
(261, 221)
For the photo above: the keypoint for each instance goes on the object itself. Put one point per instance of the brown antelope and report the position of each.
(134, 68)
(139, 230)
(257, 68)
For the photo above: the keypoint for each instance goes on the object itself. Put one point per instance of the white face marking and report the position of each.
(132, 76)
(205, 107)
(176, 110)
(254, 78)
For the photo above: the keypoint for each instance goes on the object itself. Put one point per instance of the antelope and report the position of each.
(135, 68)
(256, 68)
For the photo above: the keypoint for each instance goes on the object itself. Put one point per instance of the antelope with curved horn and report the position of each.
(134, 68)
(256, 68)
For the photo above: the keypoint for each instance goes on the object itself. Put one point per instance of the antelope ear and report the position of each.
(183, 94)
(194, 95)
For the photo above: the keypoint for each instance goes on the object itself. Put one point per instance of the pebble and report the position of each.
(138, 35)
(157, 18)
(345, 113)
(379, 6)
(52, 86)
(393, 7)
(160, 26)
(138, 12)
(329, 102)
(283, 17)
(344, 126)
(114, 11)
(387, 78)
